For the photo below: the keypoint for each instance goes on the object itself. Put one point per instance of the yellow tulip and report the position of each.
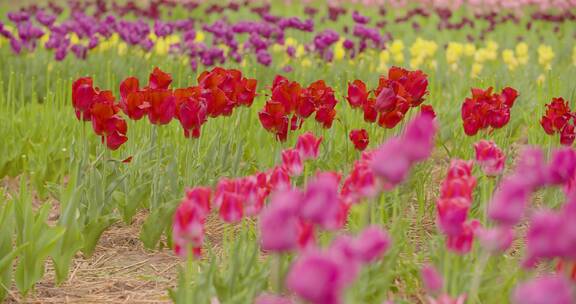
(384, 56)
(509, 59)
(300, 51)
(339, 52)
(469, 49)
(74, 38)
(398, 58)
(453, 52)
(545, 56)
(396, 47)
(122, 48)
(199, 36)
(476, 70)
(290, 42)
(277, 48)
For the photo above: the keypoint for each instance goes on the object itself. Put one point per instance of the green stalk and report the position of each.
(477, 277)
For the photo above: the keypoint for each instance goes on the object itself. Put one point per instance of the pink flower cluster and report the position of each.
(236, 198)
(552, 289)
(532, 173)
(389, 165)
(552, 235)
(321, 276)
(392, 161)
(288, 222)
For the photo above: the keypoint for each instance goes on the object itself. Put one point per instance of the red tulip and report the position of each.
(559, 119)
(359, 138)
(357, 94)
(134, 101)
(487, 110)
(159, 80)
(83, 94)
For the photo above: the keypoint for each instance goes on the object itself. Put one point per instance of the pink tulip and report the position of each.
(189, 220)
(359, 184)
(231, 209)
(452, 213)
(509, 201)
(371, 244)
(419, 137)
(321, 202)
(562, 167)
(531, 169)
(343, 249)
(497, 239)
(279, 179)
(550, 289)
(307, 145)
(279, 223)
(390, 162)
(291, 162)
(462, 243)
(552, 235)
(433, 281)
(317, 277)
(490, 158)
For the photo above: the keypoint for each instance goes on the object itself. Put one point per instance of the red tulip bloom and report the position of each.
(162, 106)
(427, 109)
(359, 138)
(486, 109)
(274, 119)
(83, 94)
(395, 95)
(134, 102)
(290, 104)
(226, 89)
(106, 122)
(325, 116)
(191, 110)
(414, 83)
(559, 119)
(159, 80)
(370, 113)
(357, 94)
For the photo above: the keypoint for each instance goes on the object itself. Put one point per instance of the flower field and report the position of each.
(276, 152)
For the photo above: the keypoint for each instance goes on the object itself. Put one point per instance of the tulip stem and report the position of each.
(277, 272)
(154, 203)
(477, 276)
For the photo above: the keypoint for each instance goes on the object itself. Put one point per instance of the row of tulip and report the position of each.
(82, 33)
